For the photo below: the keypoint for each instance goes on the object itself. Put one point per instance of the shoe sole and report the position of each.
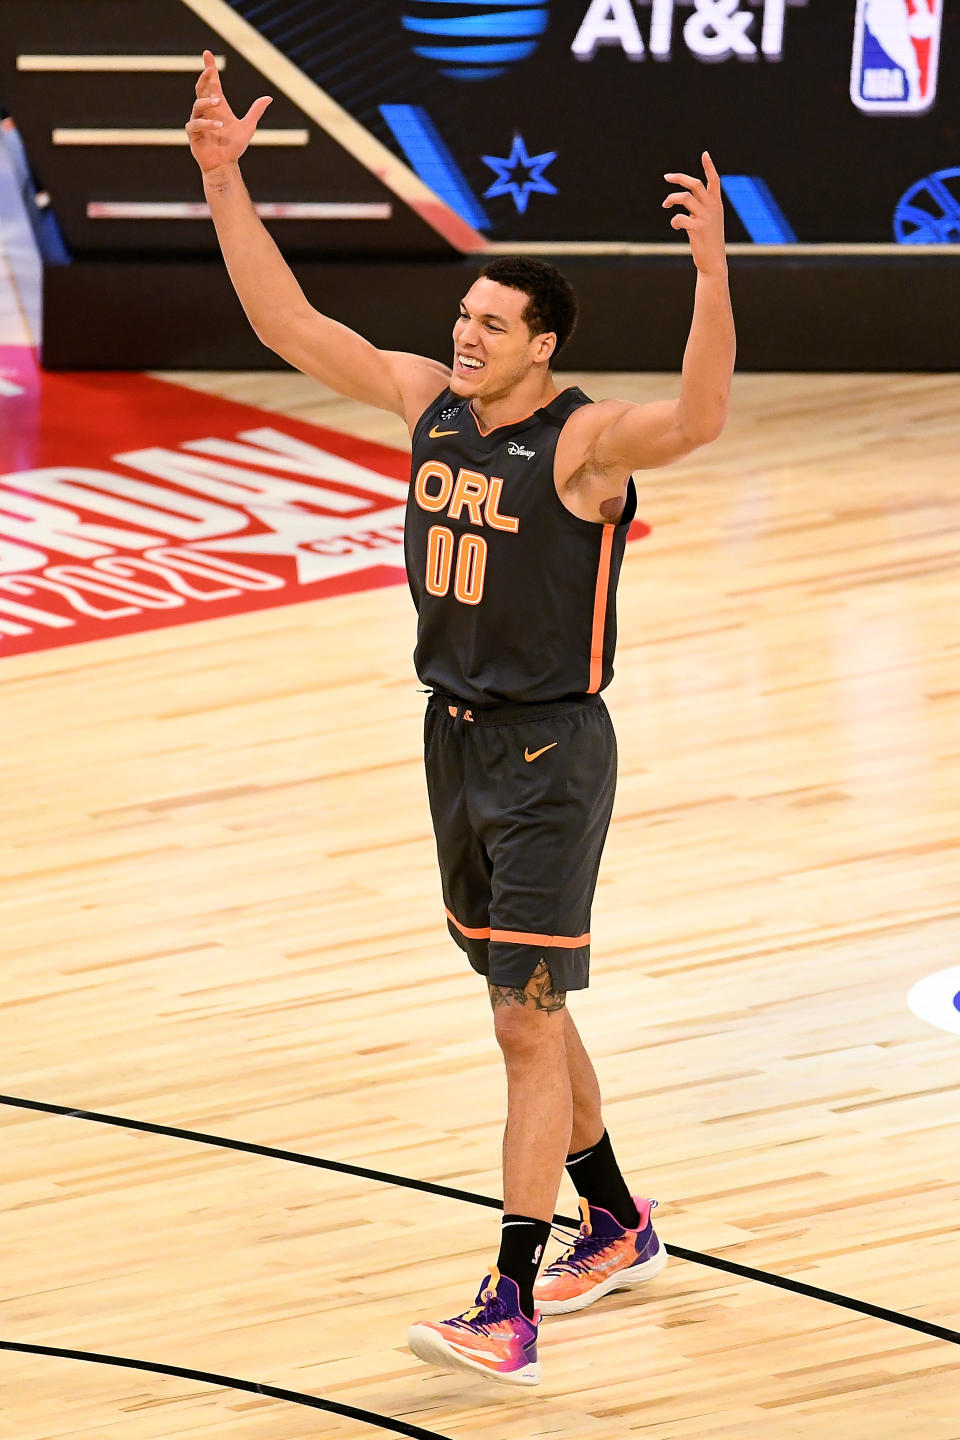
(635, 1276)
(427, 1345)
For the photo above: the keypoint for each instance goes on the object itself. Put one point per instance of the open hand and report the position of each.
(703, 221)
(217, 136)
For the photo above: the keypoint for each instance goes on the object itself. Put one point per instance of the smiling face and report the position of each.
(493, 349)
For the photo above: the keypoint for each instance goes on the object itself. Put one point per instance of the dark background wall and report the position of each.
(830, 313)
(780, 112)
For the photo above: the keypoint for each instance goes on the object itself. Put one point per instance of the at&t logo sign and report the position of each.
(711, 29)
(480, 40)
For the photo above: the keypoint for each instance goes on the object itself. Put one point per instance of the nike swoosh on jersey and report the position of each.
(528, 757)
(435, 433)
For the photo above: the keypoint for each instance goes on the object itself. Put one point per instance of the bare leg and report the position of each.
(597, 1176)
(530, 1030)
(587, 1126)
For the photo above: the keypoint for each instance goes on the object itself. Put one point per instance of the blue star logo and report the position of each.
(520, 174)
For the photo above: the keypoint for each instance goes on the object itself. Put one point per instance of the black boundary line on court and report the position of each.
(384, 1177)
(230, 1382)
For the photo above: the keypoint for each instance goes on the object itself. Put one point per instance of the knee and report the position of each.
(528, 1037)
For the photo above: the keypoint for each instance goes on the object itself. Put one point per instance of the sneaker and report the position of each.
(494, 1337)
(605, 1257)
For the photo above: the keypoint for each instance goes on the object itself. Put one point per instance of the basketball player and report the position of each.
(517, 518)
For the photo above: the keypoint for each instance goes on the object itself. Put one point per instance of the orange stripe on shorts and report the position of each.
(552, 942)
(483, 933)
(519, 937)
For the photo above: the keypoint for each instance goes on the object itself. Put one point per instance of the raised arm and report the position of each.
(638, 437)
(273, 301)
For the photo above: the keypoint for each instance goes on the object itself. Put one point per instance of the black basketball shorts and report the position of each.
(521, 797)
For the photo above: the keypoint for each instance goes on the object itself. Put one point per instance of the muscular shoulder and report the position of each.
(578, 444)
(419, 381)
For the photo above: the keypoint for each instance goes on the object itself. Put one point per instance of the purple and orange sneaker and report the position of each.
(494, 1338)
(605, 1257)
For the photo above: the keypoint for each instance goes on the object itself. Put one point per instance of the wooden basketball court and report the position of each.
(221, 914)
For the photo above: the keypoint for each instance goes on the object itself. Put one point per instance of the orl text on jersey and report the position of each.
(436, 490)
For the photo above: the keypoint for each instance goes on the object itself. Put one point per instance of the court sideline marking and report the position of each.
(732, 1267)
(230, 1382)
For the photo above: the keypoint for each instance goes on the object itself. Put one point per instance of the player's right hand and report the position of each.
(217, 137)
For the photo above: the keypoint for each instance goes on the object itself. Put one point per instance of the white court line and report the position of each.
(129, 135)
(189, 63)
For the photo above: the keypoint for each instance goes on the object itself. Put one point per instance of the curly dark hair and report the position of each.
(551, 301)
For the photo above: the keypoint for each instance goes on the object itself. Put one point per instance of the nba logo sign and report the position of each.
(896, 49)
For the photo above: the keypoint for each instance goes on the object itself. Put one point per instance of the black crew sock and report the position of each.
(596, 1177)
(522, 1241)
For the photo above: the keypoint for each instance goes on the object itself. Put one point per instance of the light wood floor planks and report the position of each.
(220, 911)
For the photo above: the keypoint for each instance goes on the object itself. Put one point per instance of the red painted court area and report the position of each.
(129, 503)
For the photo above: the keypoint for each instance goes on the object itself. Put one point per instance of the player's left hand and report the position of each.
(704, 220)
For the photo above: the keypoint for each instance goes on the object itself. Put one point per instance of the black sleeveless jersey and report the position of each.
(516, 597)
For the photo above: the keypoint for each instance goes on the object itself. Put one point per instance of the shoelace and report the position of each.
(493, 1311)
(584, 1249)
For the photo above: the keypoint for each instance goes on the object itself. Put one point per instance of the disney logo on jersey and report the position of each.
(514, 449)
(896, 52)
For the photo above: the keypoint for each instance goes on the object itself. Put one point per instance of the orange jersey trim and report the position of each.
(521, 419)
(600, 610)
(553, 942)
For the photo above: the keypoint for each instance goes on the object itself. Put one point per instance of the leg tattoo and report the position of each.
(539, 992)
(506, 995)
(541, 987)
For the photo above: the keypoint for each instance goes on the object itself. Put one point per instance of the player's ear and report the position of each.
(546, 344)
